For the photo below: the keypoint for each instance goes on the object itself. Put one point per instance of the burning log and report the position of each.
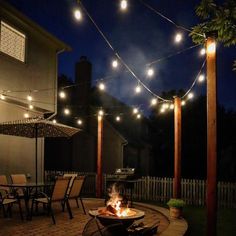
(111, 209)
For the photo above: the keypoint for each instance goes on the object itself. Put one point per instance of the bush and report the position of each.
(177, 203)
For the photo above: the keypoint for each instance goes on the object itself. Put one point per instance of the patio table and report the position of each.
(28, 189)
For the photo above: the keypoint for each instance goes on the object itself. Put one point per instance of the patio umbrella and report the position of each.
(36, 128)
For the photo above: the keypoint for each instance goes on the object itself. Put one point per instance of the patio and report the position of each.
(42, 225)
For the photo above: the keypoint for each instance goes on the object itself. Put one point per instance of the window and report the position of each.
(12, 42)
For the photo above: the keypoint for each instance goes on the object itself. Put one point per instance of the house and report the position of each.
(28, 79)
(124, 144)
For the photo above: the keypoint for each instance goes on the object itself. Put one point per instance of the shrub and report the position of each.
(177, 203)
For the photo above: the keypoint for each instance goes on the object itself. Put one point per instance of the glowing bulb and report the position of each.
(118, 118)
(178, 37)
(66, 111)
(29, 98)
(203, 51)
(172, 106)
(2, 97)
(165, 106)
(138, 89)
(150, 72)
(78, 14)
(114, 63)
(62, 94)
(54, 121)
(211, 48)
(162, 110)
(26, 115)
(183, 103)
(153, 101)
(31, 107)
(123, 4)
(79, 122)
(138, 116)
(201, 78)
(190, 95)
(135, 110)
(102, 86)
(100, 112)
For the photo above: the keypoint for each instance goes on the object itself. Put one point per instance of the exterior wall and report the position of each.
(17, 155)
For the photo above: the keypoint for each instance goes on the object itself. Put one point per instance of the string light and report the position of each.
(135, 110)
(211, 48)
(183, 103)
(150, 72)
(114, 63)
(29, 98)
(78, 15)
(62, 94)
(201, 78)
(153, 101)
(172, 106)
(165, 106)
(54, 121)
(123, 5)
(31, 107)
(202, 51)
(162, 110)
(118, 118)
(79, 122)
(2, 97)
(138, 116)
(66, 111)
(138, 89)
(102, 86)
(178, 38)
(100, 112)
(190, 95)
(26, 115)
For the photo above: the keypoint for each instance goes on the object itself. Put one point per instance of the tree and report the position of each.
(220, 18)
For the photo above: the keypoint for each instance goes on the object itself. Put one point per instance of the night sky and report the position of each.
(140, 37)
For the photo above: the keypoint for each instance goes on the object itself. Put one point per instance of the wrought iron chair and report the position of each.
(5, 201)
(59, 194)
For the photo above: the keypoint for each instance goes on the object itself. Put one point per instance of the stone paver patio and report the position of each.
(42, 225)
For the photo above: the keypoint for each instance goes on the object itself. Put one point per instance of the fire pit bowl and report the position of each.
(107, 219)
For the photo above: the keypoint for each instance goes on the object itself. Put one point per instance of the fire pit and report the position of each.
(114, 212)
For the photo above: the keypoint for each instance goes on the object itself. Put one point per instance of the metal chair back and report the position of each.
(3, 180)
(76, 187)
(60, 189)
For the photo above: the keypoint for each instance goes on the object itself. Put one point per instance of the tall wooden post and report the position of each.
(99, 157)
(211, 196)
(177, 162)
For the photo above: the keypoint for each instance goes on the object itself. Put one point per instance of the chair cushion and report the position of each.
(42, 200)
(8, 201)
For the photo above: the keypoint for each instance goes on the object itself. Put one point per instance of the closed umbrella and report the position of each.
(36, 128)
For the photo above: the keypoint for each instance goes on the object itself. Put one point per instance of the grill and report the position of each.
(124, 179)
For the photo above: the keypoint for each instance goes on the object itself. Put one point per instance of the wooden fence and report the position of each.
(147, 188)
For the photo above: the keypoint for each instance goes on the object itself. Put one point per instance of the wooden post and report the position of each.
(99, 157)
(177, 162)
(211, 196)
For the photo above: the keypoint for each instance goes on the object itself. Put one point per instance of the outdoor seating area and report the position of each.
(41, 225)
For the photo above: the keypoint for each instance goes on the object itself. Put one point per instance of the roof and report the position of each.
(10, 9)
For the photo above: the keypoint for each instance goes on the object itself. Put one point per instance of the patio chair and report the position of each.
(59, 194)
(5, 201)
(73, 176)
(3, 180)
(75, 191)
(19, 179)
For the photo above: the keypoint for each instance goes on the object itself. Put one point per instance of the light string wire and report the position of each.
(117, 54)
(168, 19)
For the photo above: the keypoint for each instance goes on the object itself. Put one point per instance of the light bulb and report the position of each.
(162, 110)
(183, 103)
(138, 89)
(138, 116)
(172, 106)
(54, 121)
(203, 51)
(178, 38)
(102, 86)
(118, 118)
(211, 48)
(165, 106)
(201, 78)
(2, 97)
(100, 112)
(135, 110)
(114, 63)
(190, 95)
(62, 94)
(31, 107)
(150, 72)
(26, 115)
(123, 4)
(29, 98)
(79, 122)
(153, 101)
(78, 14)
(66, 111)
